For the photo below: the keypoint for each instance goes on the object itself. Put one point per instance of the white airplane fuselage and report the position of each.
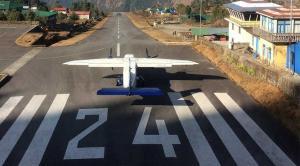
(129, 71)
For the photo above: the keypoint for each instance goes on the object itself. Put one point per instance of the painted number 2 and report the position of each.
(167, 141)
(73, 151)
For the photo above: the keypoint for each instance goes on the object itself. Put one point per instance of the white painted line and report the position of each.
(8, 27)
(2, 34)
(203, 152)
(118, 49)
(118, 36)
(163, 138)
(277, 156)
(38, 145)
(9, 105)
(13, 68)
(73, 150)
(10, 139)
(234, 146)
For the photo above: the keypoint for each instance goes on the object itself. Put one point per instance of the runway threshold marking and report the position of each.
(38, 145)
(236, 149)
(277, 156)
(199, 144)
(10, 139)
(15, 66)
(8, 106)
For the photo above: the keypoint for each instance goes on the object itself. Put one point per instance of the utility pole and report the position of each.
(200, 15)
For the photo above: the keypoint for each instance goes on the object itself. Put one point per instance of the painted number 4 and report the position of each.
(167, 141)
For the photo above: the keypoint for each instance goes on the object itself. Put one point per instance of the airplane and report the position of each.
(130, 78)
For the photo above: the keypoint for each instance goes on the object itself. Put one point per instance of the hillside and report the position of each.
(126, 5)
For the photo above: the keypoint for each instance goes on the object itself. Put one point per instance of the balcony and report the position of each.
(277, 37)
(243, 23)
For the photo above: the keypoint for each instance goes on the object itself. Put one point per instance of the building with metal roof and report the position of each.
(10, 5)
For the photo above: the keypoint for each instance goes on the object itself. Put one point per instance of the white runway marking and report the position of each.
(13, 68)
(167, 141)
(118, 49)
(38, 145)
(236, 149)
(10, 104)
(10, 139)
(75, 152)
(8, 27)
(277, 156)
(200, 146)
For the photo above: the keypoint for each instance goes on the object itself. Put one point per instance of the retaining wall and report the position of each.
(287, 82)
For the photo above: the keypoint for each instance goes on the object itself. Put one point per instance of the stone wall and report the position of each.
(288, 83)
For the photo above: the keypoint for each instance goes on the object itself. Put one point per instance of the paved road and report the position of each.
(51, 115)
(9, 50)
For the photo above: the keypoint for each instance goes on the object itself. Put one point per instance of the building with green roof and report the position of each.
(10, 5)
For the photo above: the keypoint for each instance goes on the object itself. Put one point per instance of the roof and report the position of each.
(59, 9)
(45, 13)
(278, 13)
(5, 5)
(82, 12)
(251, 5)
(209, 31)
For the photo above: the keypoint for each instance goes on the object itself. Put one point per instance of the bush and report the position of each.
(2, 16)
(42, 20)
(74, 16)
(60, 17)
(15, 16)
(30, 16)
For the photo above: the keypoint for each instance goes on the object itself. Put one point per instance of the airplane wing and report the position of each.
(107, 62)
(161, 63)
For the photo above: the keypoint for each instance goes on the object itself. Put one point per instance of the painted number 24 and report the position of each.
(163, 138)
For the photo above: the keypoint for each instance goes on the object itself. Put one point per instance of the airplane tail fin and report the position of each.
(130, 92)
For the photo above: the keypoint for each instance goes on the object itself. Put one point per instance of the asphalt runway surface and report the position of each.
(50, 113)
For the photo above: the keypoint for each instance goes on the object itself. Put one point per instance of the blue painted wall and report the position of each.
(293, 57)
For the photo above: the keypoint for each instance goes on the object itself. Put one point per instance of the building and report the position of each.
(277, 38)
(50, 16)
(62, 10)
(10, 5)
(243, 18)
(83, 14)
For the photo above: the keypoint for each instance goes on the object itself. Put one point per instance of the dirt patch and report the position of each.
(27, 39)
(143, 24)
(81, 36)
(269, 96)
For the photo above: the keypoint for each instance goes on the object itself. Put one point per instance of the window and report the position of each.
(284, 26)
(232, 26)
(264, 49)
(297, 26)
(270, 25)
(240, 30)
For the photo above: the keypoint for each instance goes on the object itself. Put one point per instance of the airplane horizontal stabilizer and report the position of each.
(130, 92)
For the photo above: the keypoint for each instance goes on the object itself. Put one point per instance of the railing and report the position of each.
(243, 23)
(277, 37)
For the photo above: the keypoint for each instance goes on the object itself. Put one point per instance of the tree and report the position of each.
(74, 16)
(181, 8)
(196, 6)
(219, 13)
(188, 11)
(2, 16)
(43, 6)
(30, 16)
